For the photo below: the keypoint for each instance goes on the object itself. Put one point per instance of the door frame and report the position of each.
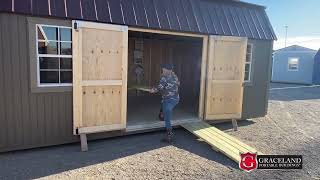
(204, 55)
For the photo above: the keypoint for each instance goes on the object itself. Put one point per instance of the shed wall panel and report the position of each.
(255, 97)
(316, 69)
(27, 119)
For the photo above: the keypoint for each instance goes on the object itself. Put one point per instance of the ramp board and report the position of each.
(219, 140)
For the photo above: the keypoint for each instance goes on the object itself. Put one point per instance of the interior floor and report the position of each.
(145, 110)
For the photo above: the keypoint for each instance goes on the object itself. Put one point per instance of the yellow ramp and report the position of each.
(220, 141)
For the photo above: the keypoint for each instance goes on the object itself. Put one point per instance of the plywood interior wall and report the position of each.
(184, 54)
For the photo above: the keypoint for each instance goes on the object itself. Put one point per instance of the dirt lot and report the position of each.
(291, 127)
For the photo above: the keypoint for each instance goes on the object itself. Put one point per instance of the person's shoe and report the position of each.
(161, 116)
(169, 137)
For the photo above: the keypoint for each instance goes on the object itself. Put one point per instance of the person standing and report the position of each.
(169, 89)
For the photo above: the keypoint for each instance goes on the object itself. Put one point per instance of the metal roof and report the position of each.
(295, 48)
(216, 17)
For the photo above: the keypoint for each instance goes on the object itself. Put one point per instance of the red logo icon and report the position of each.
(248, 161)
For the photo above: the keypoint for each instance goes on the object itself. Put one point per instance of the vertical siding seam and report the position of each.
(109, 11)
(65, 8)
(155, 8)
(168, 19)
(11, 75)
(218, 19)
(184, 13)
(245, 18)
(234, 22)
(4, 125)
(19, 94)
(269, 25)
(24, 84)
(204, 21)
(134, 13)
(194, 14)
(12, 5)
(145, 13)
(95, 10)
(81, 9)
(175, 12)
(49, 7)
(124, 22)
(31, 6)
(224, 14)
(212, 22)
(238, 16)
(254, 23)
(265, 35)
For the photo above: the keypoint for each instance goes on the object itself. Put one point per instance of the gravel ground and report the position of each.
(291, 127)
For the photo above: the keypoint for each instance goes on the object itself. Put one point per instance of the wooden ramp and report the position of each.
(220, 141)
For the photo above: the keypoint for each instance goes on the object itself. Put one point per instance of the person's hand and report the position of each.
(153, 90)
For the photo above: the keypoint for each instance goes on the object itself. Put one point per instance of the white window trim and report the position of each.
(50, 55)
(297, 63)
(250, 66)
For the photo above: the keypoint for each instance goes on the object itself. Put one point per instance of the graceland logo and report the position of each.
(248, 162)
(251, 161)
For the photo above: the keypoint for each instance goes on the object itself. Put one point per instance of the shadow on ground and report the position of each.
(42, 162)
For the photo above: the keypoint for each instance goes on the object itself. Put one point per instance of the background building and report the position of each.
(293, 64)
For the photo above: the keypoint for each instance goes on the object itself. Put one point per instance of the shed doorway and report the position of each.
(146, 53)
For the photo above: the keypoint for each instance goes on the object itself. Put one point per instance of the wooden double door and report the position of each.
(100, 60)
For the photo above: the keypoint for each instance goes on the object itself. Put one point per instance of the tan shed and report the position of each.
(86, 68)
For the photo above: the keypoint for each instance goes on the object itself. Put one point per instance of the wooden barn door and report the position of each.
(225, 74)
(99, 77)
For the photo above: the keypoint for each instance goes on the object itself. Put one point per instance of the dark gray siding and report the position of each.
(30, 120)
(255, 100)
(27, 119)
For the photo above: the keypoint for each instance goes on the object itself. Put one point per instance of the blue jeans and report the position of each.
(167, 108)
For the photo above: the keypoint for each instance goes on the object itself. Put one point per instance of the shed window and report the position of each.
(54, 55)
(293, 64)
(248, 63)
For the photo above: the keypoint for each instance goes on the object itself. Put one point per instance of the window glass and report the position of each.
(49, 63)
(293, 64)
(247, 67)
(50, 47)
(248, 63)
(65, 63)
(49, 76)
(246, 76)
(54, 55)
(66, 48)
(65, 34)
(66, 77)
(49, 33)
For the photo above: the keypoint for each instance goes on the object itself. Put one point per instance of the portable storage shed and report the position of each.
(293, 64)
(316, 68)
(66, 66)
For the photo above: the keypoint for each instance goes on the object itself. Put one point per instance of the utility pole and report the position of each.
(285, 40)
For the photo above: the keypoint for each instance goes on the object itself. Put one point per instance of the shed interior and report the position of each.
(146, 53)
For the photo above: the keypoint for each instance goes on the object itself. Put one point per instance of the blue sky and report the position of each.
(302, 17)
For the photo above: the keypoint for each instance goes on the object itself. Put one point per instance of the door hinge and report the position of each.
(76, 25)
